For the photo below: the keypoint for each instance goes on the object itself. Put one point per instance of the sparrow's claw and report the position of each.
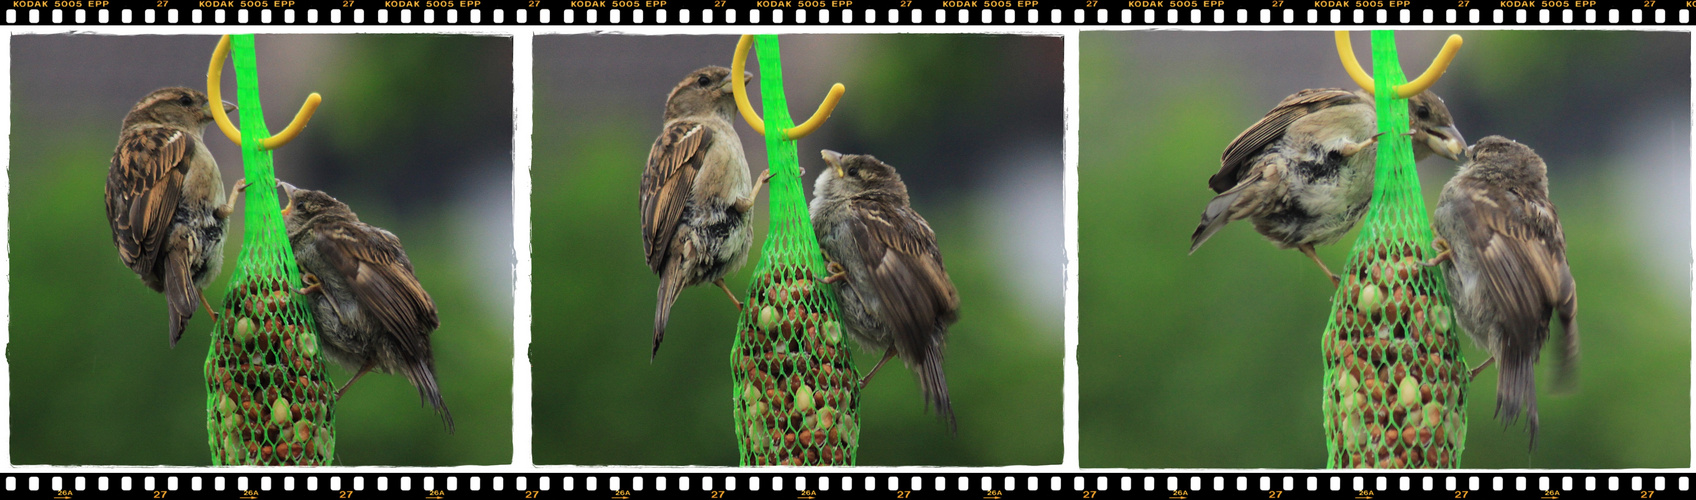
(209, 312)
(1352, 148)
(1480, 368)
(729, 293)
(1444, 253)
(230, 204)
(837, 272)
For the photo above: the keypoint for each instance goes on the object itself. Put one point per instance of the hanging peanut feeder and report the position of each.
(269, 400)
(796, 394)
(1395, 381)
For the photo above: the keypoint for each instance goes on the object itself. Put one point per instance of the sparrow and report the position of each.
(372, 313)
(1304, 172)
(695, 193)
(886, 269)
(162, 200)
(1503, 255)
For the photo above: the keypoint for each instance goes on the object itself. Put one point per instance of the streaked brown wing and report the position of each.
(906, 269)
(1522, 253)
(1234, 162)
(666, 183)
(143, 187)
(380, 276)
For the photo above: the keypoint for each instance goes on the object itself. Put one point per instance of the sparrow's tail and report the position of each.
(935, 386)
(1214, 218)
(1516, 390)
(422, 374)
(1566, 365)
(180, 293)
(670, 287)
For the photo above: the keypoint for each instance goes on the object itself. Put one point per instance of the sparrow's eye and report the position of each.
(1424, 112)
(703, 81)
(186, 100)
(853, 171)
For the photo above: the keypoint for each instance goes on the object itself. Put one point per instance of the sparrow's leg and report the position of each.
(209, 312)
(837, 273)
(729, 293)
(886, 355)
(747, 203)
(229, 207)
(1308, 249)
(1480, 368)
(362, 370)
(1443, 252)
(313, 285)
(1350, 149)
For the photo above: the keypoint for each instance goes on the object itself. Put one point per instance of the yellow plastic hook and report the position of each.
(740, 87)
(1413, 87)
(213, 75)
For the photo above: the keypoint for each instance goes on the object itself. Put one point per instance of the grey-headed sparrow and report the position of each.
(886, 269)
(372, 313)
(1304, 172)
(695, 193)
(1504, 257)
(163, 200)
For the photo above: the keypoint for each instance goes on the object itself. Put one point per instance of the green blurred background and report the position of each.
(1213, 359)
(973, 124)
(414, 134)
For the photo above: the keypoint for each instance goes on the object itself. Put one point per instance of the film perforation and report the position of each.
(837, 12)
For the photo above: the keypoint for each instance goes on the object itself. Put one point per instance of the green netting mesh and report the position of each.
(796, 391)
(1394, 378)
(268, 399)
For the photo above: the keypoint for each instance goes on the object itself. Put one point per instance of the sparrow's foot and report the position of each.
(209, 312)
(1444, 253)
(886, 355)
(1351, 148)
(312, 284)
(1308, 250)
(729, 293)
(362, 370)
(837, 272)
(1480, 368)
(230, 204)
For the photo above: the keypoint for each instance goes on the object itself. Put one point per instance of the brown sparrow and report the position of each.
(371, 311)
(695, 193)
(162, 194)
(1504, 257)
(886, 268)
(1304, 172)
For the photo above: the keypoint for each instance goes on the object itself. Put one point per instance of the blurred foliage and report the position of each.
(1213, 360)
(598, 400)
(93, 378)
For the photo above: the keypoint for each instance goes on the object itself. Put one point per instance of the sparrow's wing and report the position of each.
(380, 277)
(906, 269)
(666, 183)
(143, 187)
(1522, 254)
(1235, 162)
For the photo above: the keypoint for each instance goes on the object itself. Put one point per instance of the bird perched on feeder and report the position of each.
(1503, 255)
(1304, 172)
(886, 269)
(695, 193)
(162, 200)
(372, 313)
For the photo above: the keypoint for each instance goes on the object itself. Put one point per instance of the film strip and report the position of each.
(801, 13)
(842, 483)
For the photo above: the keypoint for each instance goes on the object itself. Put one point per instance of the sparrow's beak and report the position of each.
(1445, 141)
(729, 84)
(229, 107)
(833, 160)
(288, 190)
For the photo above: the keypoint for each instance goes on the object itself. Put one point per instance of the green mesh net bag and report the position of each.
(268, 398)
(796, 391)
(1394, 377)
